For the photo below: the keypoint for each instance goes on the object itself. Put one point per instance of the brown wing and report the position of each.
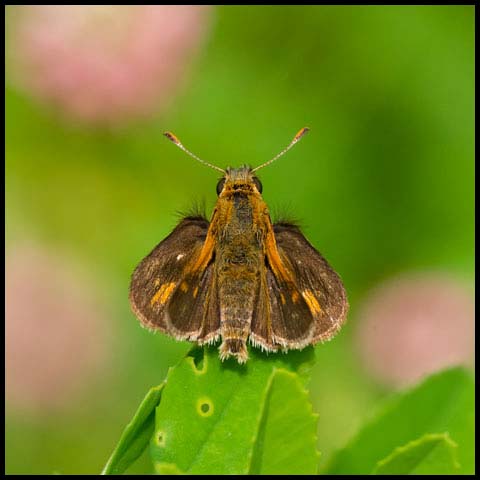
(172, 291)
(281, 316)
(318, 284)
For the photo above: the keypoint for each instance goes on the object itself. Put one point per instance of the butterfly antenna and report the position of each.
(296, 138)
(177, 142)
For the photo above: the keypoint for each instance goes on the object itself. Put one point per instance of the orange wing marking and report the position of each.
(312, 302)
(163, 293)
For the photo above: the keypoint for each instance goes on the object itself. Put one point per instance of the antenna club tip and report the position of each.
(172, 138)
(300, 134)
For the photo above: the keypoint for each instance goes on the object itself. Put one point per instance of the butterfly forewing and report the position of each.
(162, 290)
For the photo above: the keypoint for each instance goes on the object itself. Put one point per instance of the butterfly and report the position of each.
(239, 277)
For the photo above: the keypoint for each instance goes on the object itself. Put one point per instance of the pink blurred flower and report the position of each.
(415, 325)
(57, 337)
(104, 63)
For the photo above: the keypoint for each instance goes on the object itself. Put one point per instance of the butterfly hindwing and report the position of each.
(292, 321)
(164, 286)
(318, 284)
(193, 312)
(287, 313)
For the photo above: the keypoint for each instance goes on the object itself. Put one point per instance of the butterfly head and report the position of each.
(239, 180)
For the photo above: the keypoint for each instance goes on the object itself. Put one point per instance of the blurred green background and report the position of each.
(383, 184)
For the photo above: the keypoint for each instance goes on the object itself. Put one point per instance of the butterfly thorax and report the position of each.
(241, 212)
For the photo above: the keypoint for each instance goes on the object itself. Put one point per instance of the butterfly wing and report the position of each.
(301, 299)
(171, 291)
(316, 281)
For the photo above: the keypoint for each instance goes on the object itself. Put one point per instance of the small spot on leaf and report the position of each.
(204, 407)
(160, 438)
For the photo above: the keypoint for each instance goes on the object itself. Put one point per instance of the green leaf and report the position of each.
(444, 402)
(136, 436)
(224, 418)
(433, 454)
(286, 440)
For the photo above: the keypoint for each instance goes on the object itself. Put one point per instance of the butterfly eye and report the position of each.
(258, 184)
(220, 186)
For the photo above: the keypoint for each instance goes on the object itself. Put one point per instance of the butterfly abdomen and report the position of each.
(238, 286)
(237, 276)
